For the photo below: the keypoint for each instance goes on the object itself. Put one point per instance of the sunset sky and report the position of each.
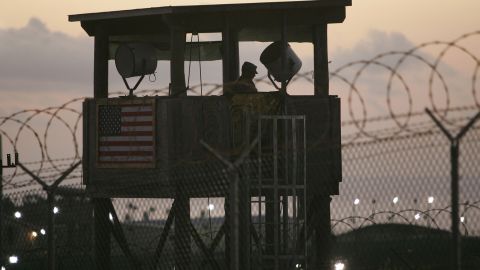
(419, 20)
(46, 60)
(37, 33)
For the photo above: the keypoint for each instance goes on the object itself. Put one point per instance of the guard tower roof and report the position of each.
(254, 20)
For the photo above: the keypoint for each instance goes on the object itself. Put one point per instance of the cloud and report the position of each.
(374, 43)
(410, 86)
(35, 58)
(36, 61)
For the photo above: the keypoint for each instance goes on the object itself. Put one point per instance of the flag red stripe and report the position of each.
(135, 105)
(136, 133)
(126, 153)
(126, 162)
(133, 117)
(126, 143)
(136, 113)
(137, 124)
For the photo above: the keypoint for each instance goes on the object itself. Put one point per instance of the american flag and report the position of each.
(126, 135)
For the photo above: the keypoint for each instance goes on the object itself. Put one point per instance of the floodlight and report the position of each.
(271, 58)
(135, 59)
(430, 199)
(13, 259)
(339, 266)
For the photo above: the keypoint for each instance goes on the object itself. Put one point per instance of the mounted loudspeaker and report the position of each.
(135, 59)
(271, 58)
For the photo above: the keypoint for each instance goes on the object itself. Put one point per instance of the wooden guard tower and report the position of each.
(309, 127)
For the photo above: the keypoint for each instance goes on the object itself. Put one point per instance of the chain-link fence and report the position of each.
(393, 212)
(262, 205)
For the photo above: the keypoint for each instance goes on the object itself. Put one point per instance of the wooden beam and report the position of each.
(164, 236)
(182, 237)
(102, 229)
(102, 226)
(320, 221)
(177, 61)
(100, 64)
(320, 60)
(119, 235)
(230, 53)
(209, 256)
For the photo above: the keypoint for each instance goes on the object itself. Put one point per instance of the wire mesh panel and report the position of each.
(393, 210)
(278, 208)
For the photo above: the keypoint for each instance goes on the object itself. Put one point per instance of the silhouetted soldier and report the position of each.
(244, 84)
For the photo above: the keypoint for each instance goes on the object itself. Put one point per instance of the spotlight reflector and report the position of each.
(13, 259)
(339, 266)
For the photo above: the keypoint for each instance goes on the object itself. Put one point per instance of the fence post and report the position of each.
(10, 164)
(50, 189)
(456, 263)
(1, 203)
(51, 230)
(102, 232)
(237, 256)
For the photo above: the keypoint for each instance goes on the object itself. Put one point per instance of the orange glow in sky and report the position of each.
(418, 20)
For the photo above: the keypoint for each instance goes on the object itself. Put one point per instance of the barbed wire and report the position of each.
(68, 115)
(437, 218)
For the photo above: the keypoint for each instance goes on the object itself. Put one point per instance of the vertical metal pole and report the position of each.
(50, 205)
(285, 229)
(234, 221)
(287, 189)
(305, 191)
(294, 184)
(1, 203)
(260, 188)
(270, 208)
(276, 203)
(456, 262)
(227, 207)
(51, 231)
(8, 165)
(245, 211)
